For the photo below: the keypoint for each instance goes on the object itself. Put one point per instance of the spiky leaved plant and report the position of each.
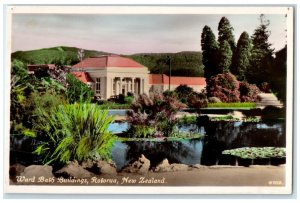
(76, 131)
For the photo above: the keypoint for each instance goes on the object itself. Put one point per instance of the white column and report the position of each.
(121, 85)
(132, 85)
(112, 86)
(140, 85)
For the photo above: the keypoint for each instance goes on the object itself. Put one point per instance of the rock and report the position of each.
(107, 167)
(88, 164)
(141, 166)
(100, 167)
(179, 167)
(16, 169)
(38, 171)
(164, 166)
(214, 100)
(73, 169)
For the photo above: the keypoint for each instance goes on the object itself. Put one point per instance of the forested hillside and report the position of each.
(182, 63)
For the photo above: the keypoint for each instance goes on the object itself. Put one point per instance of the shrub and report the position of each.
(265, 87)
(128, 99)
(197, 100)
(157, 111)
(73, 132)
(77, 91)
(248, 92)
(225, 87)
(183, 92)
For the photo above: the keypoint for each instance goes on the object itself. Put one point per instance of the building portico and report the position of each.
(114, 75)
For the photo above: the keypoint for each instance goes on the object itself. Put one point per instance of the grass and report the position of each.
(232, 105)
(112, 105)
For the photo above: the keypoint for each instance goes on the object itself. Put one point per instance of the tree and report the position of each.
(209, 52)
(241, 57)
(224, 57)
(225, 33)
(278, 76)
(261, 54)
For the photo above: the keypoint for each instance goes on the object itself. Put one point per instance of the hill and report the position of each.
(54, 55)
(182, 63)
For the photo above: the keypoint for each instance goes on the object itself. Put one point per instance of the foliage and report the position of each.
(252, 119)
(257, 152)
(224, 118)
(261, 54)
(279, 74)
(73, 132)
(248, 92)
(225, 87)
(113, 105)
(186, 120)
(183, 92)
(270, 113)
(55, 55)
(182, 63)
(226, 33)
(224, 57)
(77, 90)
(209, 52)
(241, 57)
(157, 111)
(197, 100)
(232, 105)
(141, 131)
(18, 93)
(265, 87)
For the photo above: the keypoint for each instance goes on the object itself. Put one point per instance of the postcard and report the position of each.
(149, 99)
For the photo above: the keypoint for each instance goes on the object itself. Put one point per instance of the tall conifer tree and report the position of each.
(241, 57)
(261, 54)
(209, 52)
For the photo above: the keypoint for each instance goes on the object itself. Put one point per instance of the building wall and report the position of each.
(109, 75)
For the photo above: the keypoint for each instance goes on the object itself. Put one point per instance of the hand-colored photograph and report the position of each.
(140, 102)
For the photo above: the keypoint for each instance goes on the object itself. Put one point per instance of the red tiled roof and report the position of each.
(82, 76)
(157, 79)
(107, 61)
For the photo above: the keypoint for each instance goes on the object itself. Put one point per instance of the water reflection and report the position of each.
(219, 136)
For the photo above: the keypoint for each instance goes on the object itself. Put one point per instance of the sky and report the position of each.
(129, 34)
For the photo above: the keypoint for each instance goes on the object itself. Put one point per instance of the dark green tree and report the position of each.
(209, 52)
(224, 57)
(261, 54)
(279, 74)
(241, 57)
(225, 33)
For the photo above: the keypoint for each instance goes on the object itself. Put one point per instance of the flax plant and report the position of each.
(76, 131)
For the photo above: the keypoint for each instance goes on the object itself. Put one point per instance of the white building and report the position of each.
(112, 75)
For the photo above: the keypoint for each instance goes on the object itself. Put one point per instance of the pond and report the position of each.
(219, 136)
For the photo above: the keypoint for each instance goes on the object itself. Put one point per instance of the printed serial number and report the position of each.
(275, 182)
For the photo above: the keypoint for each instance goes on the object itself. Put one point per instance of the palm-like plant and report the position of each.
(76, 131)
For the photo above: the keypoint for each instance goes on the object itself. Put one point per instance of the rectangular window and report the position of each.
(98, 85)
